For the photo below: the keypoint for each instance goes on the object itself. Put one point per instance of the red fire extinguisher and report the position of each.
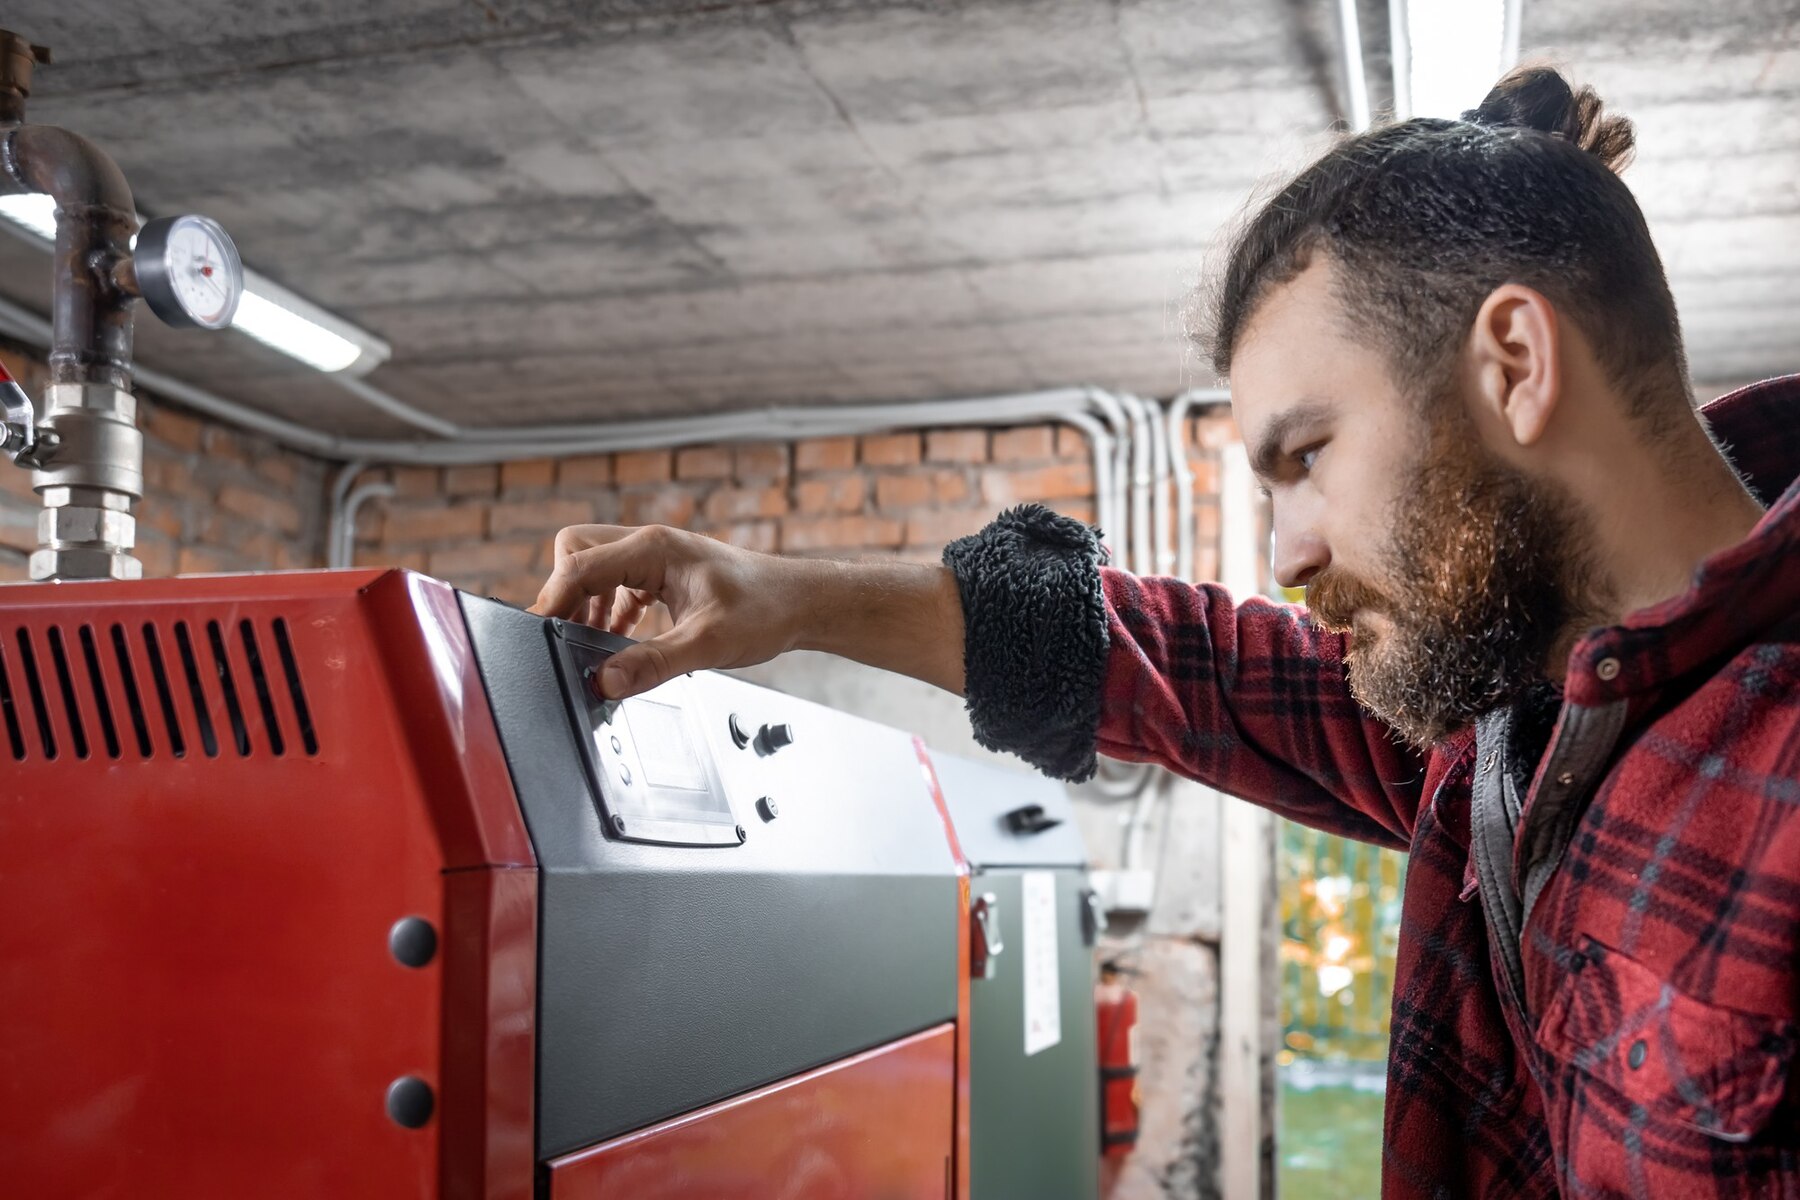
(1116, 1010)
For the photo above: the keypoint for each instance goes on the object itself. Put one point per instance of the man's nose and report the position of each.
(1300, 554)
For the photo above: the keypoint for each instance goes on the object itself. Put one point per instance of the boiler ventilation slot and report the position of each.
(136, 691)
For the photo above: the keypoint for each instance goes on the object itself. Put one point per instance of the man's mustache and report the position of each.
(1333, 598)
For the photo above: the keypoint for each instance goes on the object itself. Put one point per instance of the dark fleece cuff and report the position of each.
(1034, 630)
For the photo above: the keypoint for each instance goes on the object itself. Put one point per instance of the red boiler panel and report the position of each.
(218, 797)
(867, 1127)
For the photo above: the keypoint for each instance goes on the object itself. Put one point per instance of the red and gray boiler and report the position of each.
(345, 884)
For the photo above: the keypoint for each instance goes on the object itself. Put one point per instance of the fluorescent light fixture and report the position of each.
(32, 211)
(268, 312)
(281, 320)
(294, 335)
(1456, 50)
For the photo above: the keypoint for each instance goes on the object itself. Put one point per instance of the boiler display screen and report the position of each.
(664, 748)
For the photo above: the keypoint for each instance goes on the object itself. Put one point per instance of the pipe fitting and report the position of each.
(86, 524)
(89, 480)
(98, 445)
(95, 220)
(17, 57)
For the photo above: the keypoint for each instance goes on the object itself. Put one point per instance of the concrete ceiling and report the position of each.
(557, 210)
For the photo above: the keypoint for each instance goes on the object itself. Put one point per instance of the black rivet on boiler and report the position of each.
(767, 808)
(412, 941)
(1634, 1058)
(618, 824)
(409, 1101)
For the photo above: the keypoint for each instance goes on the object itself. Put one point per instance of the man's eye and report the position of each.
(1309, 457)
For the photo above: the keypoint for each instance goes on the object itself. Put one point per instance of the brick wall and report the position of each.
(900, 495)
(216, 499)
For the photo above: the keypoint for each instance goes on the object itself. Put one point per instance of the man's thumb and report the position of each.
(649, 664)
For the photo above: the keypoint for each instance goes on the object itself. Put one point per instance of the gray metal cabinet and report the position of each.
(1034, 1125)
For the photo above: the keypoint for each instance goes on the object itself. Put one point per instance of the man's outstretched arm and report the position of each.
(1056, 656)
(734, 607)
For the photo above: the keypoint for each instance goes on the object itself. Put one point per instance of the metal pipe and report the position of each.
(1400, 53)
(1185, 558)
(1142, 556)
(95, 219)
(377, 399)
(1356, 76)
(1164, 556)
(340, 491)
(1127, 536)
(1100, 443)
(342, 552)
(1511, 18)
(1111, 501)
(86, 453)
(17, 57)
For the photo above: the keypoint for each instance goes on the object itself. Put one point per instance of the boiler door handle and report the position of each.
(987, 946)
(1095, 913)
(1030, 818)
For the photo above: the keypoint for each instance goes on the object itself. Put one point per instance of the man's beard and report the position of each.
(1487, 570)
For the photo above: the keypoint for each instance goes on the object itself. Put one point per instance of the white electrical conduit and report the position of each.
(1185, 559)
(1148, 790)
(1511, 18)
(1163, 552)
(341, 548)
(1143, 556)
(1356, 77)
(1400, 53)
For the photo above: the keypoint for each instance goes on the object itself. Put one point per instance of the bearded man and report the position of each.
(1551, 648)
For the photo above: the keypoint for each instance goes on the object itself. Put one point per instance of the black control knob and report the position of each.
(771, 738)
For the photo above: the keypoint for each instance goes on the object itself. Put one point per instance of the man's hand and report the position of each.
(733, 608)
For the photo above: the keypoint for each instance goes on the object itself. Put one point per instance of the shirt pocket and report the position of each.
(1717, 1071)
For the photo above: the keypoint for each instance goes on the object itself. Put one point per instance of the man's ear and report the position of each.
(1515, 351)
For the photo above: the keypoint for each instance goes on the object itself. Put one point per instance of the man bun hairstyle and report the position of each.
(1540, 98)
(1422, 219)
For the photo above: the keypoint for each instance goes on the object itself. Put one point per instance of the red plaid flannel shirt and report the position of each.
(1652, 1052)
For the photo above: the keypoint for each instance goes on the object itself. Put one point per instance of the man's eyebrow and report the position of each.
(1267, 451)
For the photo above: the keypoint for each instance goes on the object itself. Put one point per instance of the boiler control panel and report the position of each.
(648, 760)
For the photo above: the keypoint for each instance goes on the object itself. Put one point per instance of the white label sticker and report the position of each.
(1043, 985)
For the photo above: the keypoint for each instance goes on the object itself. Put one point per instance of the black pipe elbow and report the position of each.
(91, 317)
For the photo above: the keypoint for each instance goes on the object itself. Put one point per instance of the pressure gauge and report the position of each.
(188, 272)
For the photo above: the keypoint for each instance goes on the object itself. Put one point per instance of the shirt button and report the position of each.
(1634, 1058)
(1566, 778)
(1607, 669)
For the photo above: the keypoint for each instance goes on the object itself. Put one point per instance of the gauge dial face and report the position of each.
(189, 271)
